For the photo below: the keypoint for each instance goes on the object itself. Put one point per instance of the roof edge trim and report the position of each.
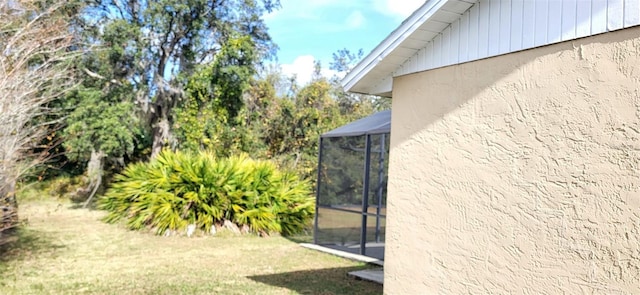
(407, 28)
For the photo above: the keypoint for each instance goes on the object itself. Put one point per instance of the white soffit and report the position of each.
(448, 32)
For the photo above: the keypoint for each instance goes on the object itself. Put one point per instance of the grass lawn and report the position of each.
(70, 251)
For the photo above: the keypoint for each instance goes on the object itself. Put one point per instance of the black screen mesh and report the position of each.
(341, 193)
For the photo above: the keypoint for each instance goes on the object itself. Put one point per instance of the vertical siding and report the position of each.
(455, 43)
(569, 15)
(517, 10)
(598, 16)
(437, 51)
(474, 25)
(505, 26)
(528, 24)
(429, 55)
(463, 53)
(554, 22)
(493, 27)
(447, 51)
(583, 18)
(631, 13)
(483, 28)
(540, 25)
(615, 14)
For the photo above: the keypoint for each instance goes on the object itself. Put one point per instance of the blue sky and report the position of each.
(308, 30)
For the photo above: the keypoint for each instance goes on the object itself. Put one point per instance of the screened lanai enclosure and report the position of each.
(352, 186)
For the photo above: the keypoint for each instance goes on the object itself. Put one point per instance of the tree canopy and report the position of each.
(156, 46)
(188, 75)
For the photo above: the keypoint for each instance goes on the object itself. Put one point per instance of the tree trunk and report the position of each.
(161, 135)
(8, 207)
(160, 121)
(95, 169)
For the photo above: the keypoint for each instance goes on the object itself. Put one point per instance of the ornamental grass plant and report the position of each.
(178, 190)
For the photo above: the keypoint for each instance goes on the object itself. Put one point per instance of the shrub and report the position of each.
(65, 186)
(176, 189)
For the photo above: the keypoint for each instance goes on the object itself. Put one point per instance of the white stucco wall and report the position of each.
(519, 173)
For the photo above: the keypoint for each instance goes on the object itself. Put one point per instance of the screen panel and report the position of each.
(337, 227)
(342, 173)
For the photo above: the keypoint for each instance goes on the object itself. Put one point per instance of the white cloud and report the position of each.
(303, 68)
(355, 20)
(398, 8)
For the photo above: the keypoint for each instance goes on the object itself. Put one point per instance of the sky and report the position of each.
(308, 30)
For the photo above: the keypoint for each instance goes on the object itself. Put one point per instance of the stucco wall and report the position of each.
(519, 173)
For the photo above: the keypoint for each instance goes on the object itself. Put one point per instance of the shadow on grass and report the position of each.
(321, 281)
(25, 243)
(303, 237)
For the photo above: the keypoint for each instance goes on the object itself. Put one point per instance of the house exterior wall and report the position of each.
(518, 173)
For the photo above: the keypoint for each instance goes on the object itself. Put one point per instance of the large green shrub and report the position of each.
(176, 189)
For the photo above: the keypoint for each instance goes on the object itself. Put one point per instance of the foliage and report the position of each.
(157, 46)
(344, 60)
(101, 125)
(176, 189)
(59, 188)
(98, 124)
(271, 124)
(213, 99)
(139, 62)
(289, 127)
(34, 71)
(187, 75)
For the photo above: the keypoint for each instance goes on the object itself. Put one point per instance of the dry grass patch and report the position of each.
(70, 251)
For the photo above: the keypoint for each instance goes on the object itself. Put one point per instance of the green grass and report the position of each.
(69, 251)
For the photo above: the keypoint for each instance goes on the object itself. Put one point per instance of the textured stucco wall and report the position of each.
(519, 173)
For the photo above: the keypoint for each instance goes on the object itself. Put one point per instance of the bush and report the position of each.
(178, 189)
(62, 186)
(72, 187)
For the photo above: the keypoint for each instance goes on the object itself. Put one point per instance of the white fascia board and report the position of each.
(389, 44)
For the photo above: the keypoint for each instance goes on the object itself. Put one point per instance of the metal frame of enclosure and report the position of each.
(352, 186)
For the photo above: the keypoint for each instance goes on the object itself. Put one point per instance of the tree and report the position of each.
(34, 71)
(343, 61)
(101, 123)
(288, 127)
(167, 39)
(146, 64)
(214, 97)
(287, 123)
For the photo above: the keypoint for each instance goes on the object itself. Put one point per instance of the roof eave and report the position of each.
(388, 45)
